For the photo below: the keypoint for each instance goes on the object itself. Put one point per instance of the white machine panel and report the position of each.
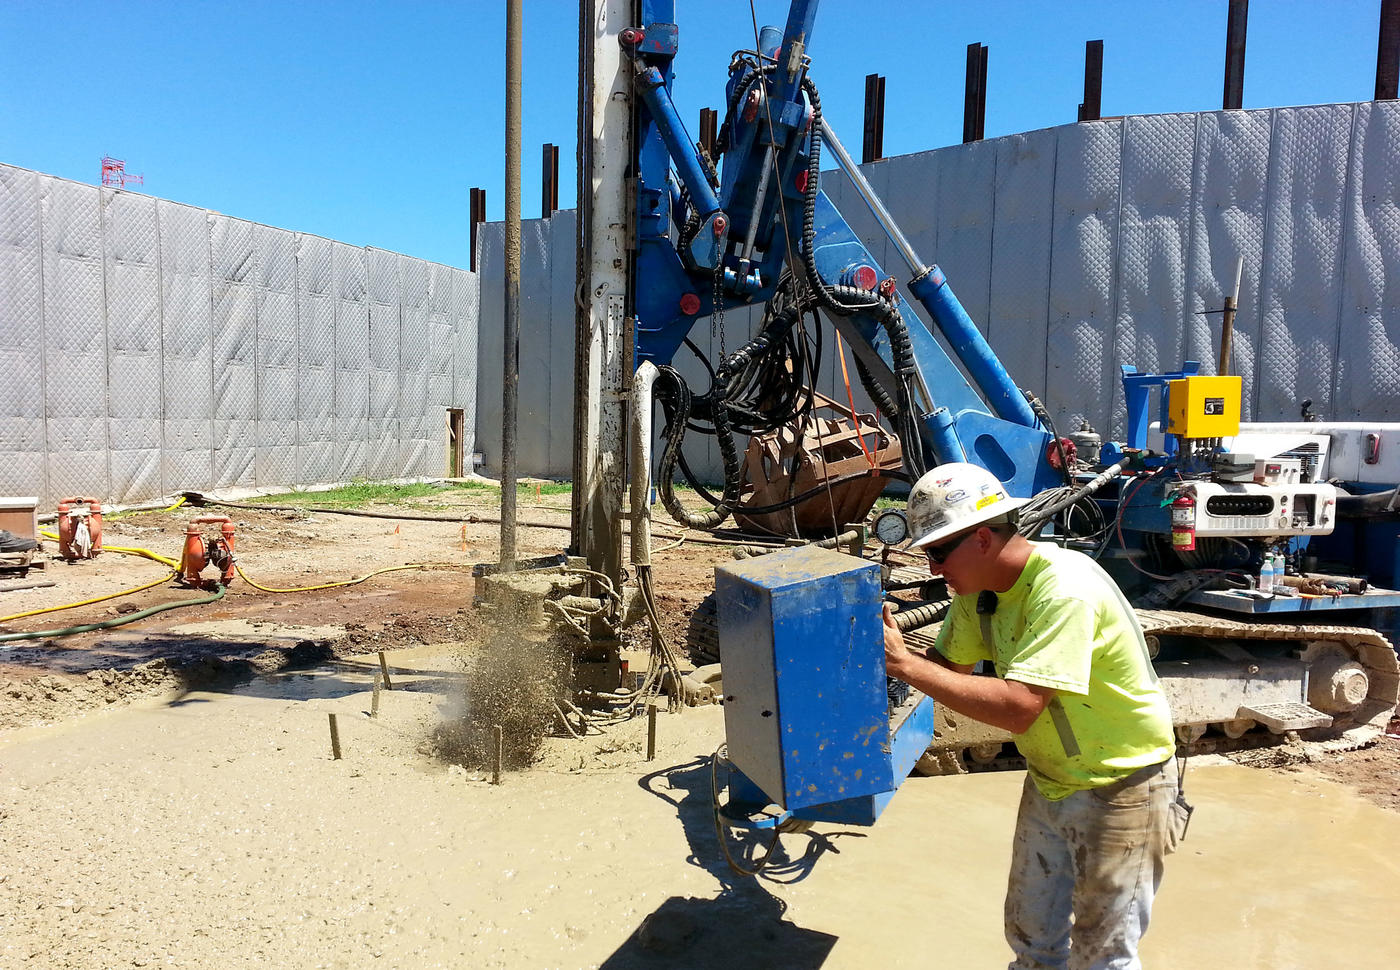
(1246, 509)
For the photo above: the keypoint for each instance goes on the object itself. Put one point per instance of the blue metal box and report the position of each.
(805, 705)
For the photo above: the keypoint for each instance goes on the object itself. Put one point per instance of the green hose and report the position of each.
(108, 624)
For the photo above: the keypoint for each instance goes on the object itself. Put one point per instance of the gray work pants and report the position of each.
(1097, 855)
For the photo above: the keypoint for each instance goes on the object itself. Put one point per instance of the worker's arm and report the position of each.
(1007, 704)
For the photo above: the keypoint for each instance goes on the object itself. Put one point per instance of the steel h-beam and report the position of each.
(975, 96)
(1234, 54)
(549, 181)
(1091, 109)
(873, 146)
(709, 127)
(1388, 52)
(478, 216)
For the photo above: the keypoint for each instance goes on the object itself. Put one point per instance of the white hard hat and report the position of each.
(955, 497)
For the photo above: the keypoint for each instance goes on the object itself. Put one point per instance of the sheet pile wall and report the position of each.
(148, 347)
(1080, 249)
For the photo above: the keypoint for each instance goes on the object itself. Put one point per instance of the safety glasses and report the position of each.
(939, 554)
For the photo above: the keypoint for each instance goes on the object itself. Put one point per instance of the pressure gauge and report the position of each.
(891, 527)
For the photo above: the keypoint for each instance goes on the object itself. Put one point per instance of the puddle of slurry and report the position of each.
(1278, 871)
(319, 684)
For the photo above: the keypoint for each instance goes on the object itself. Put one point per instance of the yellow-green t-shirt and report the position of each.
(1064, 625)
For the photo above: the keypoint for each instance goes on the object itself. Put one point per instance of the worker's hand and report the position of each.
(897, 655)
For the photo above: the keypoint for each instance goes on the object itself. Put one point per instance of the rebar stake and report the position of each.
(384, 669)
(335, 739)
(651, 732)
(500, 754)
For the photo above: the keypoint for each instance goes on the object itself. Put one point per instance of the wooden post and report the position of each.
(384, 671)
(500, 754)
(374, 701)
(335, 739)
(1227, 324)
(651, 732)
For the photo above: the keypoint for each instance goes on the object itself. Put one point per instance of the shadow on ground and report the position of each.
(745, 925)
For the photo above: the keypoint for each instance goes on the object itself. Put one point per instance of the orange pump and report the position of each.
(215, 550)
(79, 528)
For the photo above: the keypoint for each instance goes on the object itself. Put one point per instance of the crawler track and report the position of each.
(961, 744)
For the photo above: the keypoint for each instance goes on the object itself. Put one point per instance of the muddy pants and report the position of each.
(1097, 854)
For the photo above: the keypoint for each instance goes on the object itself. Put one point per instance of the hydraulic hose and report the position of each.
(204, 500)
(473, 518)
(848, 300)
(1030, 522)
(916, 616)
(307, 589)
(109, 624)
(679, 414)
(830, 542)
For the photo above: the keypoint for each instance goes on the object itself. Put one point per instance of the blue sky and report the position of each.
(369, 122)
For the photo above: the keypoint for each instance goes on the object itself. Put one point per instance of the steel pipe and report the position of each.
(510, 383)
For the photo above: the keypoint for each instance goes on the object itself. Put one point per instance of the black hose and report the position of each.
(849, 300)
(676, 400)
(1366, 506)
(912, 617)
(196, 499)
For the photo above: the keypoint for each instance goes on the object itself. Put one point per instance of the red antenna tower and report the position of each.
(114, 173)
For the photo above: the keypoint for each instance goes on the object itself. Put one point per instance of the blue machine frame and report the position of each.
(744, 233)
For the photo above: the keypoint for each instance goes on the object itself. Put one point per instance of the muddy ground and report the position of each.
(169, 798)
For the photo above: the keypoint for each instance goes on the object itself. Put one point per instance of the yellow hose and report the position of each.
(135, 551)
(174, 565)
(98, 599)
(127, 551)
(123, 515)
(307, 589)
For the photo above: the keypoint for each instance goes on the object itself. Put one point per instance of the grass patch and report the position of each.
(366, 493)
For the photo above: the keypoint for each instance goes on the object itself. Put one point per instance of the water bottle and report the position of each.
(1266, 573)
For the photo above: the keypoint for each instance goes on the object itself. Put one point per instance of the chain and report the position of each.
(717, 310)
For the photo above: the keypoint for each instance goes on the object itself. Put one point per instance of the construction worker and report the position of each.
(1075, 685)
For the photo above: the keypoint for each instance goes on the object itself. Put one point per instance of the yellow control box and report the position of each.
(1204, 407)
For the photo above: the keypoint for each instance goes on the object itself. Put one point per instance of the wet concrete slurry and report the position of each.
(232, 800)
(1277, 872)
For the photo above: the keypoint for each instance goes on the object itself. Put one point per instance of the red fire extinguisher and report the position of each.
(1184, 522)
